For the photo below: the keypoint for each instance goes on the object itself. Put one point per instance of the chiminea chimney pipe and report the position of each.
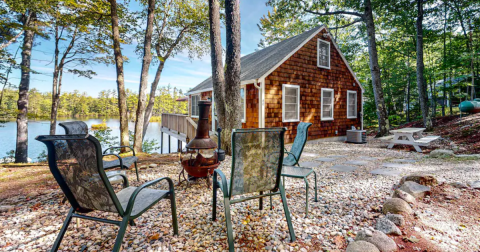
(202, 139)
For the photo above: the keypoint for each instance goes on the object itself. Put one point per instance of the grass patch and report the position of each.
(155, 119)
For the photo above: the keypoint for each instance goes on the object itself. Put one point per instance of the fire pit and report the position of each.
(202, 156)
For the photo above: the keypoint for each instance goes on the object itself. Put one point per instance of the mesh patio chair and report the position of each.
(257, 156)
(79, 127)
(292, 171)
(76, 164)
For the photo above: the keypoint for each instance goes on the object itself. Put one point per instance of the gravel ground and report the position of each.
(348, 202)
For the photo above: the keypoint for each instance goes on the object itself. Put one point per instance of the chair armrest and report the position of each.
(289, 153)
(119, 158)
(131, 201)
(223, 181)
(125, 179)
(118, 147)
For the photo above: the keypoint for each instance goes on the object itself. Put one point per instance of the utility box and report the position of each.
(357, 136)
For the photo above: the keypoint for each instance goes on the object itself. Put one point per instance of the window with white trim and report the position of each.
(194, 105)
(242, 100)
(327, 100)
(351, 104)
(323, 54)
(290, 103)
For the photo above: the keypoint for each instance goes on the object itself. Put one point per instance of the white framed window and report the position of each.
(290, 103)
(194, 105)
(351, 104)
(244, 105)
(323, 54)
(327, 101)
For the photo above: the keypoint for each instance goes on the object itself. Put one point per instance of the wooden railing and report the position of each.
(181, 126)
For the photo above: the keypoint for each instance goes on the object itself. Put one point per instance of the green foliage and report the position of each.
(148, 145)
(104, 136)
(42, 157)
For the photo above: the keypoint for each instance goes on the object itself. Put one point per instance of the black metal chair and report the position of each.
(76, 164)
(79, 127)
(257, 156)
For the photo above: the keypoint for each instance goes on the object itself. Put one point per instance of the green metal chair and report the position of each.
(76, 164)
(257, 156)
(289, 169)
(79, 127)
(295, 152)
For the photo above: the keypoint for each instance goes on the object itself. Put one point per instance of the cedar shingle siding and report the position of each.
(301, 69)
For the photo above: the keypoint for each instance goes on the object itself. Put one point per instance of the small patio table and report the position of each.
(406, 136)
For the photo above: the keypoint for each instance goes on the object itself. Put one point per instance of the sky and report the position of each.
(180, 71)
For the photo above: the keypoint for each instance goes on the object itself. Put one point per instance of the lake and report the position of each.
(9, 130)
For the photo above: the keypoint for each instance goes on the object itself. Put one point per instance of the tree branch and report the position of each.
(353, 13)
(347, 25)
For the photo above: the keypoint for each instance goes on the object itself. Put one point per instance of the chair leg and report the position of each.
(287, 214)
(315, 175)
(271, 203)
(174, 212)
(261, 202)
(136, 170)
(306, 196)
(228, 220)
(121, 234)
(63, 230)
(214, 200)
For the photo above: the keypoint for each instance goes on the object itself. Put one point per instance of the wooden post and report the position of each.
(161, 141)
(169, 145)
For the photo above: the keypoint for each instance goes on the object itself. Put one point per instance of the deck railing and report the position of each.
(179, 124)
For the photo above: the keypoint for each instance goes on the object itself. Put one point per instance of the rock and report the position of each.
(32, 195)
(387, 227)
(458, 185)
(361, 246)
(415, 189)
(404, 196)
(439, 153)
(379, 239)
(474, 184)
(143, 167)
(153, 165)
(6, 208)
(397, 219)
(396, 206)
(422, 179)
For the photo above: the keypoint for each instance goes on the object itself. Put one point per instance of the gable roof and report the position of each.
(262, 62)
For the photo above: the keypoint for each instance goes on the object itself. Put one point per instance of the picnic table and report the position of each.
(407, 136)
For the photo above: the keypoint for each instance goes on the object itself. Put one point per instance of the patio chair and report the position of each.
(76, 164)
(257, 156)
(289, 169)
(79, 127)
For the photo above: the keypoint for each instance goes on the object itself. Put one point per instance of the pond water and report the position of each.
(8, 133)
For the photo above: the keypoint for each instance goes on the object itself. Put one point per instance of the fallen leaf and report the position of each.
(155, 236)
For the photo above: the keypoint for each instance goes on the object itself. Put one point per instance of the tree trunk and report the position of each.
(422, 89)
(151, 100)
(218, 78)
(142, 92)
(444, 61)
(122, 97)
(408, 88)
(21, 151)
(472, 54)
(232, 74)
(383, 124)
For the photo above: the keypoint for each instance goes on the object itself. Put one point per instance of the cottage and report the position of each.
(303, 78)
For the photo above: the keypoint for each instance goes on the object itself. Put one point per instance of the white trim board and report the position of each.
(356, 103)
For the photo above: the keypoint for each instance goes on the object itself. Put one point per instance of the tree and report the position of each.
(421, 83)
(181, 25)
(122, 99)
(227, 91)
(142, 93)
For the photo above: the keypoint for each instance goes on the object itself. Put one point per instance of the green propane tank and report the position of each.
(470, 106)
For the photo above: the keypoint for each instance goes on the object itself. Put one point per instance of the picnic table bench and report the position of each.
(407, 136)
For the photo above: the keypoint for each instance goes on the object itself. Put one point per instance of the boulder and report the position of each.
(361, 246)
(153, 165)
(386, 226)
(458, 185)
(439, 153)
(474, 184)
(379, 239)
(420, 178)
(405, 196)
(415, 189)
(396, 206)
(397, 219)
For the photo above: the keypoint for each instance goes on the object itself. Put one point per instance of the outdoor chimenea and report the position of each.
(201, 157)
